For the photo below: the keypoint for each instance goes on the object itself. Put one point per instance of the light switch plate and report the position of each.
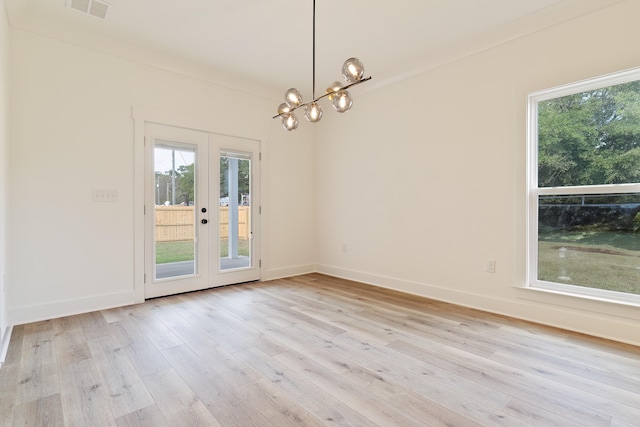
(104, 195)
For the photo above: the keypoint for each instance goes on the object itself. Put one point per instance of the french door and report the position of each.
(201, 210)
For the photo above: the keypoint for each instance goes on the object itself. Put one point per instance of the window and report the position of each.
(584, 188)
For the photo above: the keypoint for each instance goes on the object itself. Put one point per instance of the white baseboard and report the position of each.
(281, 273)
(409, 287)
(53, 310)
(56, 309)
(618, 329)
(621, 329)
(4, 344)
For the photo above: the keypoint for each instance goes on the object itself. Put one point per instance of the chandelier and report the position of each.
(353, 74)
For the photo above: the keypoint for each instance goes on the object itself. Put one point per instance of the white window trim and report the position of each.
(544, 287)
(579, 302)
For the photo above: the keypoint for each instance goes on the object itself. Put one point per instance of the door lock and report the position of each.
(204, 221)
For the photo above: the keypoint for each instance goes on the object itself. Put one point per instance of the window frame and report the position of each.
(533, 191)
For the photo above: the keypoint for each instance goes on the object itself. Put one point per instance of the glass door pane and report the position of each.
(235, 210)
(175, 219)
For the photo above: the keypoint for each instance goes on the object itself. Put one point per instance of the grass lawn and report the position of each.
(243, 247)
(174, 251)
(184, 250)
(604, 262)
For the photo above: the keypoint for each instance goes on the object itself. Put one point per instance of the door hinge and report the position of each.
(259, 263)
(145, 278)
(260, 210)
(260, 156)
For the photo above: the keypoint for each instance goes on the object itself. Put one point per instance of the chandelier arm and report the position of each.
(362, 80)
(345, 87)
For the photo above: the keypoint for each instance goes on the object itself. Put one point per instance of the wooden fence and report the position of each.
(175, 223)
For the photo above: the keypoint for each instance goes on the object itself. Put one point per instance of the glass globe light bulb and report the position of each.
(290, 122)
(313, 112)
(342, 102)
(352, 70)
(333, 88)
(293, 97)
(283, 108)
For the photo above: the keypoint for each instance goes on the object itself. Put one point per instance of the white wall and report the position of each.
(73, 132)
(4, 174)
(425, 180)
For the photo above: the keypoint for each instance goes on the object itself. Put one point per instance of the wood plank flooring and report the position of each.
(312, 351)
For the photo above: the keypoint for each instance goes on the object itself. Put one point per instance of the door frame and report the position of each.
(141, 116)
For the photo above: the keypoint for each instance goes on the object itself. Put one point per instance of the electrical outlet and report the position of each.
(491, 266)
(104, 195)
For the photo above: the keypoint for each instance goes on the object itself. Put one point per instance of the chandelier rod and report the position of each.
(314, 50)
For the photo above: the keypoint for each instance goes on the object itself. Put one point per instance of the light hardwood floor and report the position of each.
(310, 351)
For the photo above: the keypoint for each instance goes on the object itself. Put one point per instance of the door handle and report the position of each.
(204, 221)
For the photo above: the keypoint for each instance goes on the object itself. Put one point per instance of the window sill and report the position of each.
(595, 304)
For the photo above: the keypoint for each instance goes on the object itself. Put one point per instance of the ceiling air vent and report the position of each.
(95, 8)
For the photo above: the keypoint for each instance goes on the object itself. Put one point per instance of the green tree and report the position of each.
(590, 138)
(163, 187)
(244, 177)
(185, 184)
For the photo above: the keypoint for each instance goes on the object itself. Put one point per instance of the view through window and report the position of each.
(584, 200)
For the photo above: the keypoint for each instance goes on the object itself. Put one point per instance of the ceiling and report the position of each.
(269, 42)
